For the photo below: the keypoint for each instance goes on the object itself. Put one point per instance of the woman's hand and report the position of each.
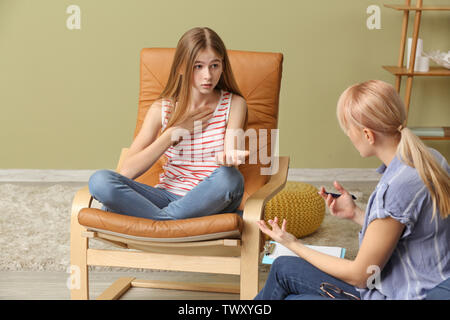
(277, 234)
(343, 207)
(231, 158)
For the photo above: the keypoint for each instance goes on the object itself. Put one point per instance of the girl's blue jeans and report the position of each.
(221, 192)
(293, 278)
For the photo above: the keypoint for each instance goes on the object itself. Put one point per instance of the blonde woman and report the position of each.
(405, 238)
(200, 104)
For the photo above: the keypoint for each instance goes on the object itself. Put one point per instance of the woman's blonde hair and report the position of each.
(178, 85)
(376, 105)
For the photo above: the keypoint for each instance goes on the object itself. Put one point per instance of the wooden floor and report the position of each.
(44, 285)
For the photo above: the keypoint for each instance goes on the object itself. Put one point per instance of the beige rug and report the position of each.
(35, 224)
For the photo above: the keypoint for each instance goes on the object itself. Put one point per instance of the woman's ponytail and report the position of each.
(415, 154)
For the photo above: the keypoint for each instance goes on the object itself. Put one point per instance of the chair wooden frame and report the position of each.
(223, 256)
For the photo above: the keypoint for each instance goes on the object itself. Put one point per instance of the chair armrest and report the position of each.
(82, 199)
(254, 206)
(252, 241)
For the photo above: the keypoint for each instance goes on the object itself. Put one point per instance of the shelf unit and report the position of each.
(400, 70)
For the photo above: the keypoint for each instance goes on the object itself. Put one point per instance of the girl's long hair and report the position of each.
(178, 86)
(376, 105)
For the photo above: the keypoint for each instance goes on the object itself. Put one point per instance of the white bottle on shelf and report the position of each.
(421, 63)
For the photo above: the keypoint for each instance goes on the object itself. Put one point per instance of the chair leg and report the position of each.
(250, 281)
(78, 281)
(250, 262)
(117, 289)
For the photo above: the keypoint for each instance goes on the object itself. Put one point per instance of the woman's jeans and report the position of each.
(293, 278)
(219, 193)
(440, 292)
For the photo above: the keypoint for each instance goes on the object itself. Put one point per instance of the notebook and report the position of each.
(275, 250)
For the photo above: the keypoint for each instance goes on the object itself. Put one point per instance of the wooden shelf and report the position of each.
(434, 138)
(434, 71)
(410, 8)
(400, 71)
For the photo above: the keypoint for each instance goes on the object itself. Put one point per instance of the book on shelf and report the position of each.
(274, 250)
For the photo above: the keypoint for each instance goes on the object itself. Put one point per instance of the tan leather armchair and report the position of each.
(224, 243)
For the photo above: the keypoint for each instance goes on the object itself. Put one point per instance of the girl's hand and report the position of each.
(231, 158)
(341, 207)
(188, 121)
(277, 234)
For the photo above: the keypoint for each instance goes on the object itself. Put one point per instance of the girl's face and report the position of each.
(207, 71)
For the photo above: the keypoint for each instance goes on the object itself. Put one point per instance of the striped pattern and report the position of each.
(192, 160)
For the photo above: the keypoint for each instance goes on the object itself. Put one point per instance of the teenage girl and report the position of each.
(199, 106)
(405, 237)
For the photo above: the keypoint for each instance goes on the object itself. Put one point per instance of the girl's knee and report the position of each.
(100, 184)
(231, 178)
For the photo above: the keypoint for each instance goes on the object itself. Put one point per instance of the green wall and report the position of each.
(68, 98)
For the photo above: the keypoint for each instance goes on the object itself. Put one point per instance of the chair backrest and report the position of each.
(258, 75)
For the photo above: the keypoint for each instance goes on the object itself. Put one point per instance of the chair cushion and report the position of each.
(218, 226)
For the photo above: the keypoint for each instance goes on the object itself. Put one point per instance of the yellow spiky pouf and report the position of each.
(301, 205)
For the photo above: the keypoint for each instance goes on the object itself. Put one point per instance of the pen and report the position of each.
(337, 195)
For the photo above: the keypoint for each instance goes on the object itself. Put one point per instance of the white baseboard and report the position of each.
(44, 175)
(295, 174)
(332, 174)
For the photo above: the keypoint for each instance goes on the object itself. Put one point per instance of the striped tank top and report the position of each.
(192, 160)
